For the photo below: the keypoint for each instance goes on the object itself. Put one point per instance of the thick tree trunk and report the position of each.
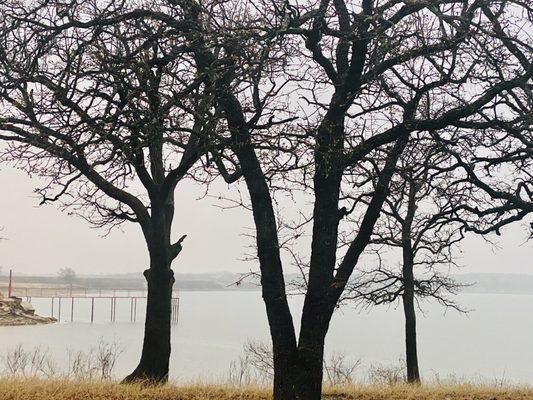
(311, 362)
(285, 368)
(309, 379)
(317, 311)
(155, 355)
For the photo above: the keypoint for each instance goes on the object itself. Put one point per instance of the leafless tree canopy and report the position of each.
(362, 79)
(100, 98)
(289, 96)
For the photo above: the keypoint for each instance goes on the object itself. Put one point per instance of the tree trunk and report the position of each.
(285, 367)
(310, 367)
(155, 354)
(411, 357)
(408, 297)
(272, 280)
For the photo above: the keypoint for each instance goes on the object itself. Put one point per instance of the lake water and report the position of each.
(492, 342)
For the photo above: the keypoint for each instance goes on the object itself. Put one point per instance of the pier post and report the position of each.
(72, 310)
(10, 285)
(177, 309)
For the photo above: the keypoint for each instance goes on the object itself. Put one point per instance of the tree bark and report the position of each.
(310, 373)
(272, 280)
(155, 356)
(408, 296)
(317, 309)
(411, 356)
(315, 323)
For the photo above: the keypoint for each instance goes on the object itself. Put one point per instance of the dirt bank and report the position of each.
(14, 311)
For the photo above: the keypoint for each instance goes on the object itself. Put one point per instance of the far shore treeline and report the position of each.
(486, 283)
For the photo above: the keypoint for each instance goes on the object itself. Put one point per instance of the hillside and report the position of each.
(214, 281)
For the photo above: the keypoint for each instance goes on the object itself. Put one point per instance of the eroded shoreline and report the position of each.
(15, 312)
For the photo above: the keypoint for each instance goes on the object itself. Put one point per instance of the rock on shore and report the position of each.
(14, 311)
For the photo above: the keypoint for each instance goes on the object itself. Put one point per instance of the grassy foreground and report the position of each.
(37, 389)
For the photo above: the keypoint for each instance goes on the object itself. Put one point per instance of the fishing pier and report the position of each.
(65, 301)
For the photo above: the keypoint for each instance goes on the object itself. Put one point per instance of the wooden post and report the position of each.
(92, 310)
(177, 309)
(72, 310)
(59, 311)
(52, 307)
(10, 286)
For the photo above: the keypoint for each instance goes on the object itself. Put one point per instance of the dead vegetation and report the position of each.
(44, 389)
(98, 362)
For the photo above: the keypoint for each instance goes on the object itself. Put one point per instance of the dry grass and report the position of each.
(37, 389)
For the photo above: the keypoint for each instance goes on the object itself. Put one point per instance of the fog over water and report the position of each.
(491, 343)
(43, 239)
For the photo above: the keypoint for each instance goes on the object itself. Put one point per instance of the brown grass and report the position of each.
(37, 389)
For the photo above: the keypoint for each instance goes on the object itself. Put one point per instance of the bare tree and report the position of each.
(309, 94)
(67, 275)
(99, 98)
(421, 221)
(372, 74)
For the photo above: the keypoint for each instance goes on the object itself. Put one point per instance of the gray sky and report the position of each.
(44, 239)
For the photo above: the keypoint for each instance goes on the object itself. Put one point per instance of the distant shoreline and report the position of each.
(480, 283)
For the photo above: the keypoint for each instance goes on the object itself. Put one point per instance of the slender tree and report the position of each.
(420, 220)
(99, 98)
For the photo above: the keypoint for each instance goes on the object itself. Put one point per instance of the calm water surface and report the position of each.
(492, 342)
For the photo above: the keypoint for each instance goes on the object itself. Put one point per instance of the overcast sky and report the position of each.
(44, 239)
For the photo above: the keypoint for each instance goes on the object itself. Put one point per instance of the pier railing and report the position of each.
(59, 295)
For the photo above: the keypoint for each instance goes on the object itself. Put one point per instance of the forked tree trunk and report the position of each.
(285, 368)
(298, 376)
(310, 372)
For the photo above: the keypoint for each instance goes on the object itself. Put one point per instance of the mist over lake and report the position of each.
(489, 344)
